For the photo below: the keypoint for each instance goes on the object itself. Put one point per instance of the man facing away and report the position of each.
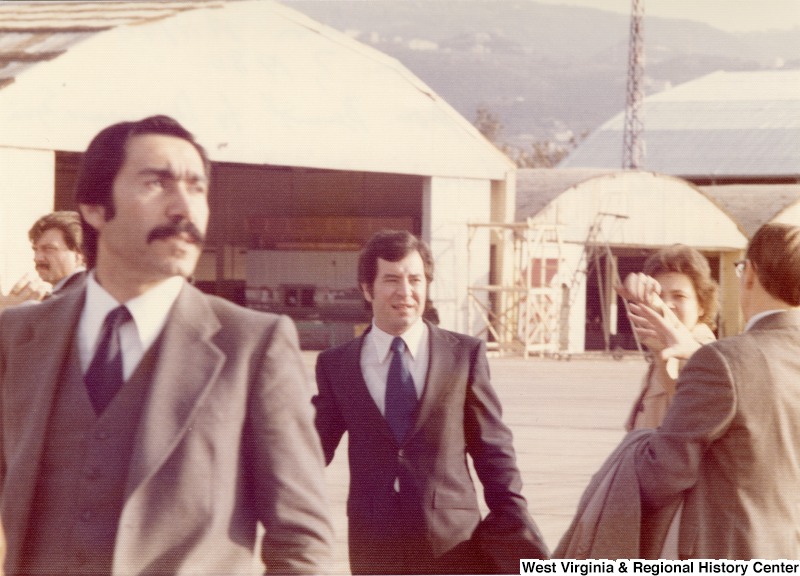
(147, 427)
(730, 442)
(415, 400)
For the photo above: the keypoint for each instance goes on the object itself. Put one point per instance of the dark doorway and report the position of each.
(624, 338)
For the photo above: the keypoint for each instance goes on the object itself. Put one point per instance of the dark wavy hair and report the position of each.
(774, 252)
(392, 246)
(102, 162)
(689, 262)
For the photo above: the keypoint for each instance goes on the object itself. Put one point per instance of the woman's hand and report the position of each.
(639, 288)
(674, 338)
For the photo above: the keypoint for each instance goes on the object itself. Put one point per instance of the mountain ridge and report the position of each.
(545, 72)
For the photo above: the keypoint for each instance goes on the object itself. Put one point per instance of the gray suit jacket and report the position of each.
(225, 440)
(433, 524)
(731, 441)
(608, 523)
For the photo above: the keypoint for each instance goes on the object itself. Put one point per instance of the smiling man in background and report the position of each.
(415, 400)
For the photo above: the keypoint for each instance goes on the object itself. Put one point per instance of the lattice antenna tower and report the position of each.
(633, 141)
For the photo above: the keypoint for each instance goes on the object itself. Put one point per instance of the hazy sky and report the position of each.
(730, 15)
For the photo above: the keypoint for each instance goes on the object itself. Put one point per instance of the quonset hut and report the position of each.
(590, 228)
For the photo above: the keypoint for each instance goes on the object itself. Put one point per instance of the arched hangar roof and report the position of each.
(723, 126)
(257, 82)
(634, 208)
(752, 205)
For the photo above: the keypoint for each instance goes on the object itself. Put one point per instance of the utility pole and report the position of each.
(633, 146)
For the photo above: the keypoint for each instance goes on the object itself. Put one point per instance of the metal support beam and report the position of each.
(633, 145)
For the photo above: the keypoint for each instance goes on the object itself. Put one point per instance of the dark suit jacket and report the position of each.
(75, 281)
(225, 440)
(730, 443)
(433, 524)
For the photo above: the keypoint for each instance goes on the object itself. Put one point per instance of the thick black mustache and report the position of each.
(175, 229)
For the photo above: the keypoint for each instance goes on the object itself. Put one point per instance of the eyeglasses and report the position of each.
(739, 267)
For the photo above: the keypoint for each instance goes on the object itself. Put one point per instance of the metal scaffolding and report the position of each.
(595, 248)
(521, 310)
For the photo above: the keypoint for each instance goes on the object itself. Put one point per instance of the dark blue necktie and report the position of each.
(104, 377)
(401, 396)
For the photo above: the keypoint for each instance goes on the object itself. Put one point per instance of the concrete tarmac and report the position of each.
(566, 416)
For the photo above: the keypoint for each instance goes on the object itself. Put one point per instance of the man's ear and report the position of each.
(94, 214)
(750, 277)
(366, 290)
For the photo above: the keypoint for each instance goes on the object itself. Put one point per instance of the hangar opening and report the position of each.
(286, 240)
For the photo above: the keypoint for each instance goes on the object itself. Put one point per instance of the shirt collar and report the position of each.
(759, 316)
(64, 280)
(383, 340)
(149, 310)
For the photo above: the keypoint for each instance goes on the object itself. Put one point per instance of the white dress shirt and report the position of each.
(376, 356)
(149, 312)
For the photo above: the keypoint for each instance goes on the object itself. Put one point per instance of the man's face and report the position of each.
(54, 260)
(161, 187)
(398, 294)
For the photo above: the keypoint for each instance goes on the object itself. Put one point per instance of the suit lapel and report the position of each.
(31, 381)
(188, 363)
(440, 365)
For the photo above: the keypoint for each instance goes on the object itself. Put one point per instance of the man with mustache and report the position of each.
(56, 240)
(157, 427)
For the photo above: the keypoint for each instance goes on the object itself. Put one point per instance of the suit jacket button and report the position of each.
(401, 453)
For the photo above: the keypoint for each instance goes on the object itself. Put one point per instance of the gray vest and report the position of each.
(81, 484)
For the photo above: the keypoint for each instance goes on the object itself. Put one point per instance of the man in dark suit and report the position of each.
(147, 427)
(729, 446)
(415, 400)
